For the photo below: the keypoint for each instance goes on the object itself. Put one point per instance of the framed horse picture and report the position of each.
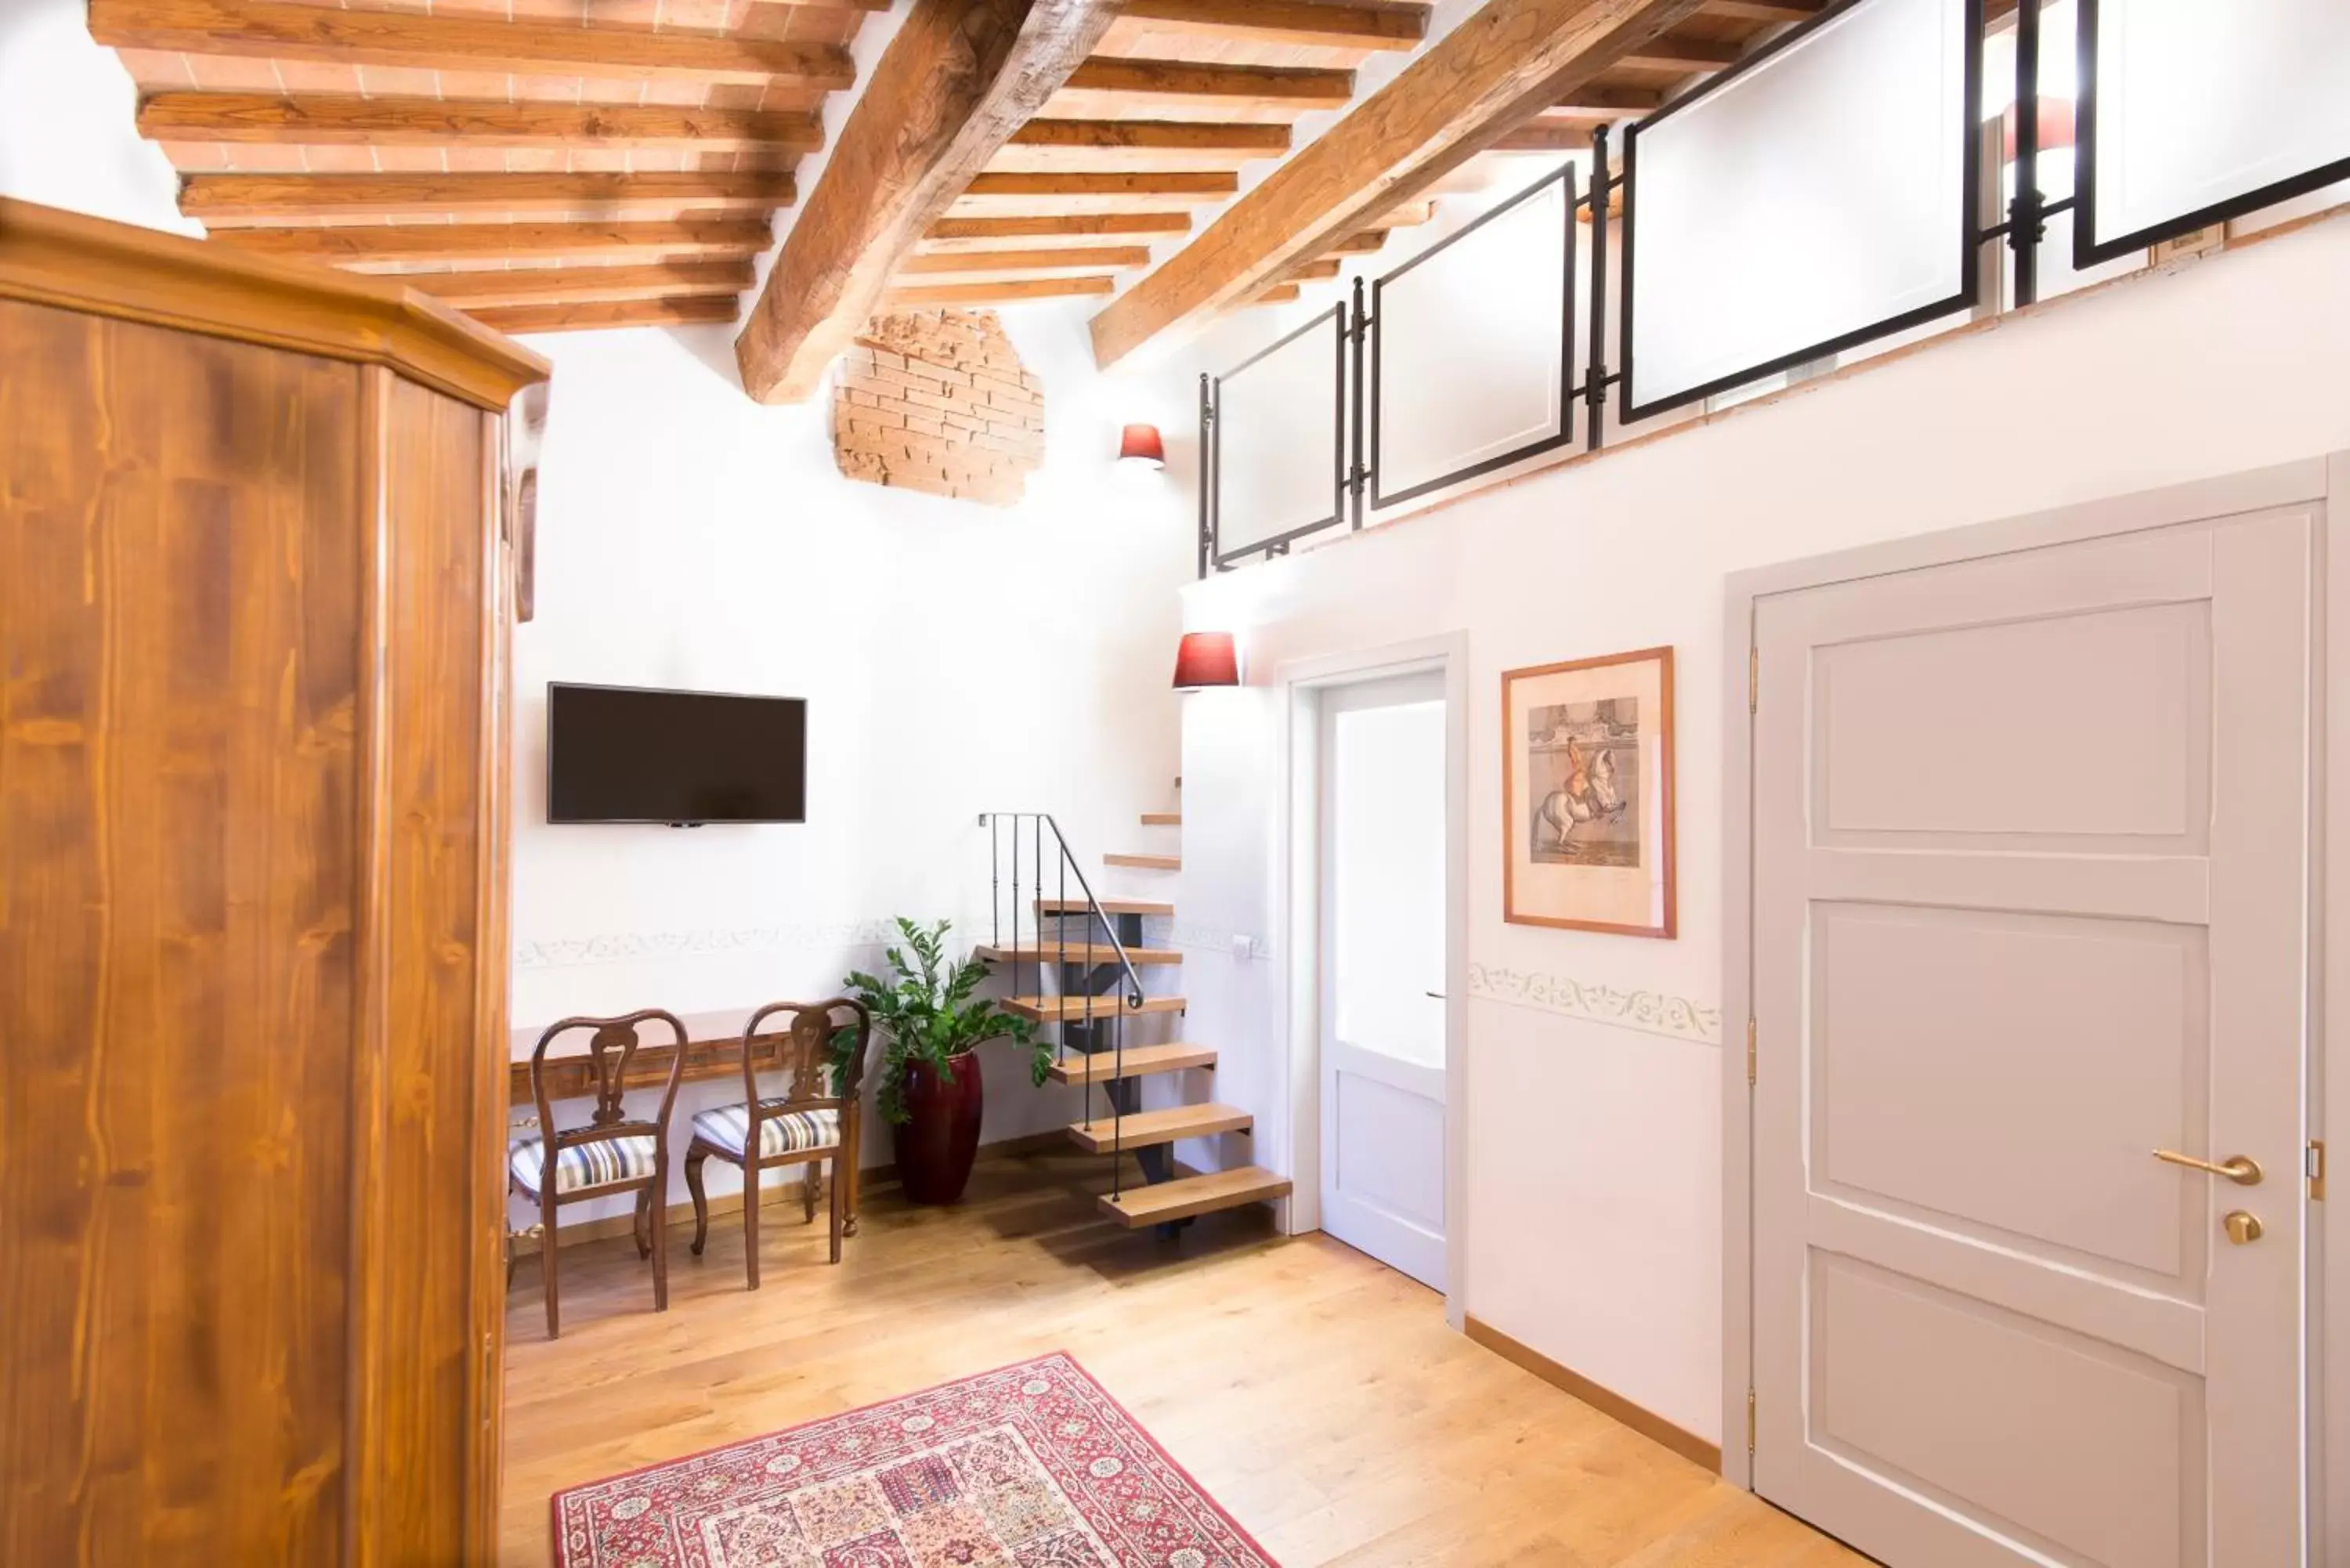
(1587, 793)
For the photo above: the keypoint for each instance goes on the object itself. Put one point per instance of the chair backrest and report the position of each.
(807, 1053)
(611, 1046)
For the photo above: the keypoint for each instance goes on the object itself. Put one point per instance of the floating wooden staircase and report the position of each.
(1099, 996)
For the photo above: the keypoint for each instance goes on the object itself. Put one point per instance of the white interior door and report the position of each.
(1383, 964)
(2030, 854)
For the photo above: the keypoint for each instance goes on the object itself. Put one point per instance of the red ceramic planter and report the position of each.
(940, 1138)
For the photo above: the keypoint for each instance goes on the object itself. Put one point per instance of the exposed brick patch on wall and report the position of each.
(937, 400)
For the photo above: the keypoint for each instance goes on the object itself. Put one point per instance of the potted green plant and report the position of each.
(932, 1026)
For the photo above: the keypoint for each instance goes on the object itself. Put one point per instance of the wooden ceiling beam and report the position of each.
(1611, 100)
(1499, 66)
(1256, 87)
(337, 120)
(1766, 10)
(1274, 294)
(232, 197)
(964, 236)
(1022, 193)
(696, 311)
(277, 30)
(1155, 135)
(361, 245)
(1313, 23)
(583, 284)
(1066, 258)
(1675, 52)
(954, 83)
(933, 296)
(1541, 136)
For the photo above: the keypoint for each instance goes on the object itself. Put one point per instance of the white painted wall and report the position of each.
(956, 658)
(1593, 1227)
(67, 133)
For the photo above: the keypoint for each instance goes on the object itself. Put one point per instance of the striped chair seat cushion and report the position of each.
(790, 1132)
(586, 1165)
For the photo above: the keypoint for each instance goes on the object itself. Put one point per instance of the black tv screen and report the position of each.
(621, 753)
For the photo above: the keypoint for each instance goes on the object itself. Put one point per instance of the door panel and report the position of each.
(2029, 852)
(1383, 966)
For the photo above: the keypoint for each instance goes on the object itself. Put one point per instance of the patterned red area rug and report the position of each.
(1032, 1466)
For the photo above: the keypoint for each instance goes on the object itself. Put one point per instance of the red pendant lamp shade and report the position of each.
(1206, 659)
(1140, 443)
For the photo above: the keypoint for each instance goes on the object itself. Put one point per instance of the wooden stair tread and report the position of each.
(1137, 1062)
(1146, 862)
(1150, 909)
(1075, 952)
(1160, 1201)
(1162, 819)
(1086, 1009)
(1144, 1128)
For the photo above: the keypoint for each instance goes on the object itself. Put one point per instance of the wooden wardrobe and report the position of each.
(253, 599)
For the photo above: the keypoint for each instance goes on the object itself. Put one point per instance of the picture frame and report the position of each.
(1588, 794)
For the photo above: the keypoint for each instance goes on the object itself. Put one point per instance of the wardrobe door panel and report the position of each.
(179, 655)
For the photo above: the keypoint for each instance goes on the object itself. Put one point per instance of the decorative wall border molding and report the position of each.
(1647, 1012)
(653, 947)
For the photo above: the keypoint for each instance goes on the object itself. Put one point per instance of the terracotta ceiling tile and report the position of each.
(195, 157)
(157, 67)
(399, 81)
(341, 159)
(495, 86)
(225, 73)
(412, 159)
(318, 75)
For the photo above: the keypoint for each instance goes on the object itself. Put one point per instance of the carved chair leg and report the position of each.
(751, 1223)
(811, 1174)
(657, 1208)
(546, 1271)
(835, 1214)
(637, 1225)
(693, 1158)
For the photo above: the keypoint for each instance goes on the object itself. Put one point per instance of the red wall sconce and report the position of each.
(1206, 659)
(1141, 444)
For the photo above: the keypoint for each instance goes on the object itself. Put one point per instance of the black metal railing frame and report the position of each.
(2022, 230)
(1064, 864)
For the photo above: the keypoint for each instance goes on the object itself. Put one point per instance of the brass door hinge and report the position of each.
(1749, 1050)
(1749, 1420)
(2316, 1170)
(1753, 678)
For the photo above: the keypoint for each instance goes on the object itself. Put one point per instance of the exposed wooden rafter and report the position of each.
(1295, 88)
(277, 30)
(689, 311)
(957, 80)
(968, 234)
(333, 120)
(230, 197)
(585, 284)
(1498, 68)
(1308, 22)
(921, 296)
(1066, 258)
(364, 244)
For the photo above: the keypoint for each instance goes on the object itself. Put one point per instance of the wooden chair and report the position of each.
(613, 1153)
(802, 1125)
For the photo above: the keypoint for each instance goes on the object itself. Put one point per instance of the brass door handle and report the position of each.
(2242, 1168)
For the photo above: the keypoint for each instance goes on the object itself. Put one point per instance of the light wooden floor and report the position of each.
(1315, 1394)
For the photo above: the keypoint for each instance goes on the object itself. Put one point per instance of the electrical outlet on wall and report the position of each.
(1244, 947)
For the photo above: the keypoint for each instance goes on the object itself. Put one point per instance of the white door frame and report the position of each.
(2323, 481)
(1297, 856)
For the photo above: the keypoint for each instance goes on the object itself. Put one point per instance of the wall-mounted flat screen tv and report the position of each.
(623, 753)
